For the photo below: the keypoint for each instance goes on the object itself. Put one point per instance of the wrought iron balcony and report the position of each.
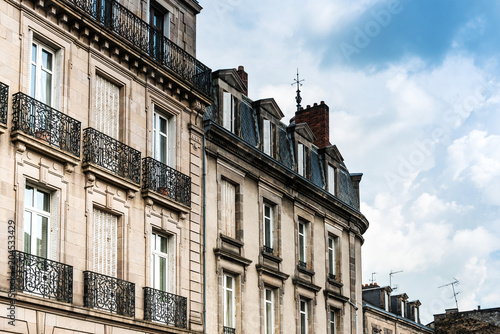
(165, 307)
(112, 155)
(267, 249)
(165, 180)
(108, 293)
(228, 330)
(41, 276)
(303, 264)
(46, 123)
(4, 99)
(117, 18)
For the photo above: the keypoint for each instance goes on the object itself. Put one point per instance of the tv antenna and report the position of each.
(456, 282)
(390, 277)
(297, 82)
(373, 279)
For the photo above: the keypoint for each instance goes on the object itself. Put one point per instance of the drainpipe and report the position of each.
(204, 237)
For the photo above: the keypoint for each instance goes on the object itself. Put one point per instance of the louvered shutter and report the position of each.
(228, 199)
(54, 227)
(105, 243)
(107, 107)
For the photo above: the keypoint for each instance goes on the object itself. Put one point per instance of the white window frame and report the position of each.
(228, 208)
(229, 319)
(267, 142)
(269, 307)
(300, 159)
(332, 321)
(34, 228)
(228, 111)
(169, 257)
(268, 225)
(169, 135)
(303, 239)
(303, 316)
(36, 84)
(332, 256)
(331, 179)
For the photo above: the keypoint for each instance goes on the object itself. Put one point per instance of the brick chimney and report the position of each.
(318, 119)
(244, 77)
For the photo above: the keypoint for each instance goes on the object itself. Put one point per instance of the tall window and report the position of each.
(332, 322)
(107, 107)
(228, 209)
(331, 179)
(37, 221)
(268, 228)
(303, 317)
(301, 160)
(268, 142)
(164, 138)
(160, 262)
(160, 24)
(302, 244)
(228, 111)
(402, 308)
(386, 301)
(105, 243)
(332, 257)
(229, 304)
(42, 73)
(269, 309)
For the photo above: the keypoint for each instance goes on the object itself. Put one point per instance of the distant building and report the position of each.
(387, 314)
(485, 321)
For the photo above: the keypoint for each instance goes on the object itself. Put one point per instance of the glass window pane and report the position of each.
(163, 149)
(163, 274)
(46, 89)
(42, 236)
(43, 201)
(33, 53)
(163, 245)
(47, 60)
(28, 196)
(27, 232)
(163, 125)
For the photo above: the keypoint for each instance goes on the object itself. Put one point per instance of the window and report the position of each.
(267, 143)
(229, 304)
(160, 24)
(402, 308)
(302, 244)
(268, 219)
(300, 160)
(269, 309)
(386, 301)
(332, 322)
(332, 257)
(40, 224)
(105, 231)
(107, 107)
(303, 317)
(162, 262)
(228, 105)
(164, 138)
(42, 73)
(331, 179)
(228, 208)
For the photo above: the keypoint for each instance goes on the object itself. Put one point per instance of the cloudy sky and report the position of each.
(413, 94)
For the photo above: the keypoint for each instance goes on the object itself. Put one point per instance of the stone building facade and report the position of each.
(480, 321)
(101, 135)
(283, 225)
(387, 313)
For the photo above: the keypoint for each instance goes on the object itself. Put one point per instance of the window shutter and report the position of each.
(57, 75)
(54, 227)
(227, 111)
(171, 142)
(171, 265)
(105, 243)
(107, 107)
(228, 199)
(300, 159)
(28, 63)
(331, 179)
(267, 137)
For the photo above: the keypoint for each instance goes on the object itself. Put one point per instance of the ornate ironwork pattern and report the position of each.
(4, 101)
(46, 123)
(108, 293)
(228, 330)
(267, 249)
(120, 20)
(41, 276)
(165, 307)
(165, 180)
(112, 155)
(303, 264)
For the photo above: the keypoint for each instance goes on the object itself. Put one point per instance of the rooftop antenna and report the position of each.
(390, 278)
(298, 83)
(456, 282)
(373, 279)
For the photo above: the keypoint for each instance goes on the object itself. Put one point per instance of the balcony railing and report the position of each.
(303, 264)
(4, 100)
(165, 307)
(112, 155)
(140, 34)
(267, 249)
(41, 276)
(46, 123)
(165, 180)
(228, 330)
(108, 294)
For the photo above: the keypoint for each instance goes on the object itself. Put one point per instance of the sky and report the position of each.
(413, 94)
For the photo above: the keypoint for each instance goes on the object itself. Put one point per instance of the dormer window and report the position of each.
(331, 179)
(228, 111)
(386, 301)
(402, 308)
(268, 142)
(301, 161)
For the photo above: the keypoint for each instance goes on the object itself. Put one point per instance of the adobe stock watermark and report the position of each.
(410, 164)
(363, 36)
(222, 6)
(11, 246)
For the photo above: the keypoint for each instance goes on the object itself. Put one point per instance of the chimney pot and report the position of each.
(241, 68)
(322, 102)
(308, 106)
(315, 104)
(244, 77)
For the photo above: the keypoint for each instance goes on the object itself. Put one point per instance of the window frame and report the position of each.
(303, 316)
(331, 179)
(169, 135)
(169, 256)
(268, 248)
(267, 141)
(36, 82)
(303, 247)
(332, 321)
(114, 125)
(301, 159)
(333, 257)
(228, 111)
(35, 212)
(227, 317)
(269, 306)
(97, 268)
(224, 209)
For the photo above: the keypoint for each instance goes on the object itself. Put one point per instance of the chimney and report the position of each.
(244, 77)
(318, 119)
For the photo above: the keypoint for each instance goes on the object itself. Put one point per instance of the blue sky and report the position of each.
(413, 91)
